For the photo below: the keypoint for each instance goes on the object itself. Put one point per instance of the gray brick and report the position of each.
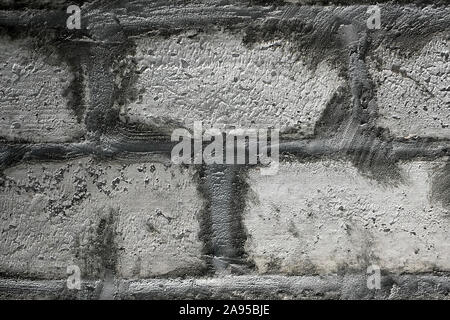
(413, 91)
(324, 216)
(215, 78)
(34, 94)
(139, 220)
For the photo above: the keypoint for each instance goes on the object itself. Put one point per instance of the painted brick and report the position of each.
(323, 217)
(413, 90)
(34, 95)
(215, 78)
(137, 219)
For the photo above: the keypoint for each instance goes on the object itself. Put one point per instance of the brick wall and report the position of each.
(86, 175)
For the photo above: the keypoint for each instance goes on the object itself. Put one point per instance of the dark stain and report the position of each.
(99, 255)
(309, 38)
(205, 233)
(337, 110)
(74, 54)
(440, 190)
(105, 246)
(232, 222)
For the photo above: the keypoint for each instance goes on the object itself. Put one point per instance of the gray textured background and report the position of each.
(86, 176)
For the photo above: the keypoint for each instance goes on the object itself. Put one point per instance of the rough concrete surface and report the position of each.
(424, 76)
(86, 177)
(294, 216)
(216, 79)
(138, 220)
(35, 93)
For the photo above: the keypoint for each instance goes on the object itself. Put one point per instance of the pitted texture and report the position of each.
(216, 79)
(324, 217)
(137, 220)
(35, 94)
(413, 90)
